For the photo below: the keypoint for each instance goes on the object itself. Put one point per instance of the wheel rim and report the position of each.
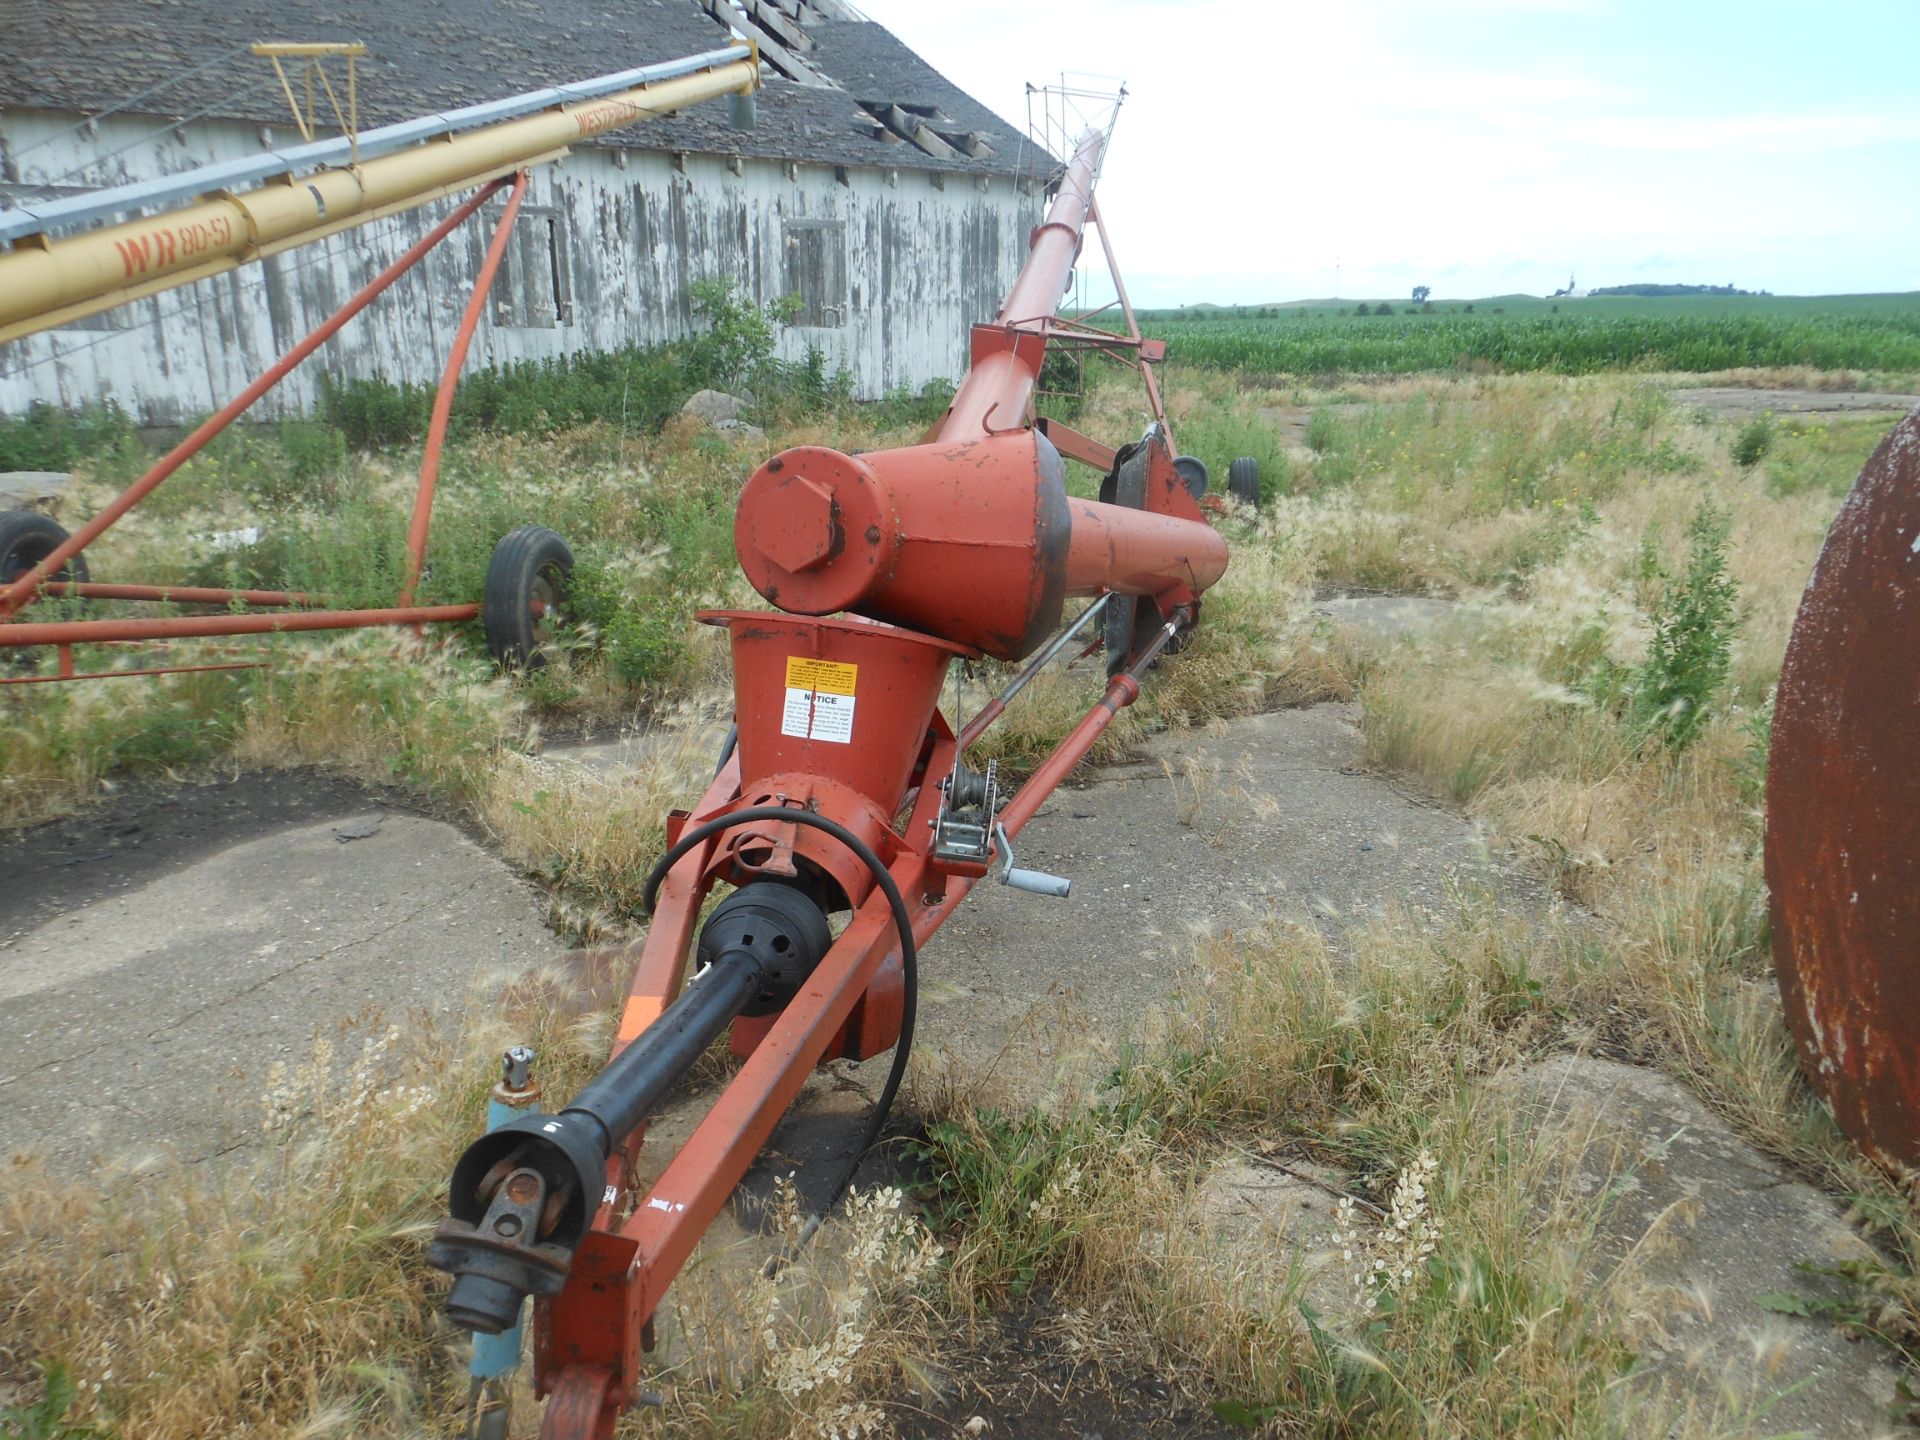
(22, 556)
(544, 605)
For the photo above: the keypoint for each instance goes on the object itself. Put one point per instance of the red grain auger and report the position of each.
(848, 791)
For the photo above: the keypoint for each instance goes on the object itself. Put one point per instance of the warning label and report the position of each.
(836, 677)
(820, 700)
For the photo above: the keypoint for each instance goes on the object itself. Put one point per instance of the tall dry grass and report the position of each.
(301, 1306)
(1489, 1297)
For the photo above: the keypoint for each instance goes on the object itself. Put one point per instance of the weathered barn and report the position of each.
(891, 203)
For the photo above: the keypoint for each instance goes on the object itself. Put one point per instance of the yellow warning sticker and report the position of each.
(836, 677)
(820, 701)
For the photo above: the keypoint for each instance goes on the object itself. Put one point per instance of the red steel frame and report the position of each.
(798, 533)
(300, 611)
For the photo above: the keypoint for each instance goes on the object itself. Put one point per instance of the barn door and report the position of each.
(817, 271)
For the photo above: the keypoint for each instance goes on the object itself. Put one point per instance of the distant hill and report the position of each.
(1665, 290)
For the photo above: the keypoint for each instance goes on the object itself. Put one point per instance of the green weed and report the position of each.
(1755, 439)
(46, 438)
(1220, 434)
(49, 1417)
(1687, 663)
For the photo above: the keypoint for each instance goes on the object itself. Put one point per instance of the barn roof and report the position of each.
(862, 97)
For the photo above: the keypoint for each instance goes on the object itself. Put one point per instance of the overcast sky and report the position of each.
(1358, 148)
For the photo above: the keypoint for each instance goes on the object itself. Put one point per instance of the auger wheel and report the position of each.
(1843, 811)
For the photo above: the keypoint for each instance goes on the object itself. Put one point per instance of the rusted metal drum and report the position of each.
(1843, 811)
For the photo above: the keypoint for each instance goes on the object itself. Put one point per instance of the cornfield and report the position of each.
(1585, 340)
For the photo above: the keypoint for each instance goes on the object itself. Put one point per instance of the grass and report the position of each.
(1608, 543)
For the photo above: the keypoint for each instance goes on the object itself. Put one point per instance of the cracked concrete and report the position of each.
(1200, 831)
(1706, 1227)
(149, 1018)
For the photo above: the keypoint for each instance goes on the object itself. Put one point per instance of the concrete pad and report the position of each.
(24, 487)
(630, 749)
(1392, 617)
(1271, 1227)
(1732, 1226)
(1266, 815)
(148, 1018)
(1733, 402)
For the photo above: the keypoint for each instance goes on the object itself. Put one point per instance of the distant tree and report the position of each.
(1420, 293)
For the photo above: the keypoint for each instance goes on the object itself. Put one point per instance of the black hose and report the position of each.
(902, 922)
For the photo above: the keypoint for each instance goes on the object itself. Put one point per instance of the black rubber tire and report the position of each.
(1129, 488)
(26, 538)
(531, 565)
(1243, 481)
(1193, 470)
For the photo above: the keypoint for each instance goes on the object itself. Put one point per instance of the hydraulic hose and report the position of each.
(902, 923)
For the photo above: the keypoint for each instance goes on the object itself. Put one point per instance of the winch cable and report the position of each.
(909, 961)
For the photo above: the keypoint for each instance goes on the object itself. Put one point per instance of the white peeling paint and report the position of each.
(922, 266)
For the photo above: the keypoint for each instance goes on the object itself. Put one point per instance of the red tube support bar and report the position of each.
(173, 627)
(21, 590)
(179, 594)
(449, 378)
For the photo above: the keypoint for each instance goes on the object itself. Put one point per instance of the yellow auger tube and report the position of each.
(45, 282)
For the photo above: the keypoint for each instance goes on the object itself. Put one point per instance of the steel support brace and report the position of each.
(22, 590)
(176, 627)
(449, 379)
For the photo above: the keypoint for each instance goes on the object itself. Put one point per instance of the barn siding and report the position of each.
(923, 263)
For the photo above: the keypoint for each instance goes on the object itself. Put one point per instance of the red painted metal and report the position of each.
(179, 594)
(974, 541)
(833, 714)
(20, 592)
(1843, 811)
(174, 627)
(970, 535)
(584, 1404)
(621, 1276)
(449, 380)
(964, 544)
(1075, 446)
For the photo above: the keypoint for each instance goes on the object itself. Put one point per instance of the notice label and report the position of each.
(820, 700)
